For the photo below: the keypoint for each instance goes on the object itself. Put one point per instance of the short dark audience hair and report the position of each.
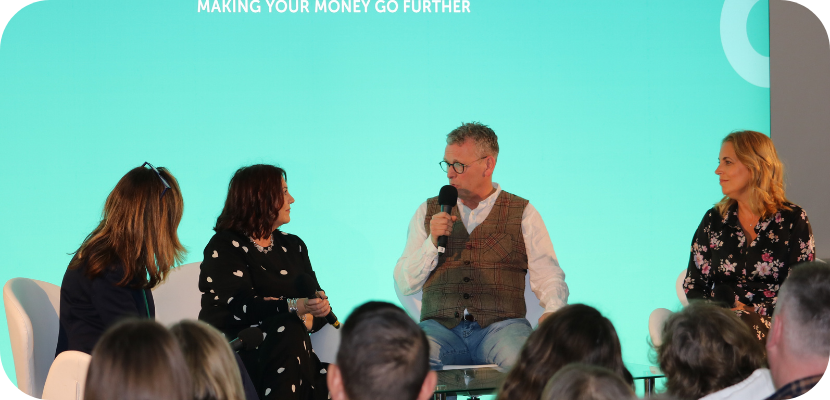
(576, 333)
(587, 382)
(707, 348)
(383, 354)
(255, 197)
(138, 360)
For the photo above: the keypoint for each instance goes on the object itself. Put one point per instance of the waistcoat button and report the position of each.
(466, 295)
(466, 279)
(466, 263)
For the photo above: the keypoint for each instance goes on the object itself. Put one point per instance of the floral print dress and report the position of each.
(754, 271)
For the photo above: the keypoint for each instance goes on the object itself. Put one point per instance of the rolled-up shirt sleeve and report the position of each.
(419, 257)
(547, 280)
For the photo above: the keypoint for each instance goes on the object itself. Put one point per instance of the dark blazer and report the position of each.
(90, 306)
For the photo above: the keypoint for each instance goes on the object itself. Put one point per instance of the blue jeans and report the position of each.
(470, 344)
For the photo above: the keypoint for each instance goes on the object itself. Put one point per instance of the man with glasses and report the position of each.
(473, 308)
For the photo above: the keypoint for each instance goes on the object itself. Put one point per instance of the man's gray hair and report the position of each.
(805, 299)
(487, 143)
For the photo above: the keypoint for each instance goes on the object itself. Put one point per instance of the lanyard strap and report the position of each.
(146, 303)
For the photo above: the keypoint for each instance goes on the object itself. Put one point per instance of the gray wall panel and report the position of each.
(800, 101)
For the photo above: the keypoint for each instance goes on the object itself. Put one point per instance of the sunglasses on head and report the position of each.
(166, 185)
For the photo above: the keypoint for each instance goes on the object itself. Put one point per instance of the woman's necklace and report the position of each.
(261, 249)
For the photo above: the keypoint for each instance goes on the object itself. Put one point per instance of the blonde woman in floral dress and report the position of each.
(745, 246)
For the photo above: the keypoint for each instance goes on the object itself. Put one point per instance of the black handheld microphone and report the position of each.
(249, 339)
(308, 288)
(447, 199)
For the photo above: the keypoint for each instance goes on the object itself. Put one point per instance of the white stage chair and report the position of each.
(32, 313)
(67, 377)
(658, 317)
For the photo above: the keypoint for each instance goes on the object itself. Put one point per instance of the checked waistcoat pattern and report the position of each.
(483, 271)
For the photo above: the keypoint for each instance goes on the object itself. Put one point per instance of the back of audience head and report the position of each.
(706, 348)
(576, 333)
(213, 368)
(137, 360)
(383, 355)
(587, 382)
(798, 345)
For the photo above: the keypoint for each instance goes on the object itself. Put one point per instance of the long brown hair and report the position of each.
(574, 333)
(707, 348)
(255, 196)
(766, 187)
(137, 360)
(212, 365)
(137, 229)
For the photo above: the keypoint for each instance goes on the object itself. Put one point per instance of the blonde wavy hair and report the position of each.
(213, 368)
(766, 187)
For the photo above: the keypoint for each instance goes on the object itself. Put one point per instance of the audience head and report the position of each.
(213, 368)
(798, 345)
(486, 141)
(706, 348)
(574, 334)
(138, 360)
(256, 194)
(764, 193)
(587, 382)
(383, 355)
(137, 229)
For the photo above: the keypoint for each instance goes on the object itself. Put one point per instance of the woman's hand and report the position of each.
(316, 307)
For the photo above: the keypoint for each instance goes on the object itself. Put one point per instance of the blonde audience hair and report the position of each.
(766, 187)
(137, 360)
(213, 368)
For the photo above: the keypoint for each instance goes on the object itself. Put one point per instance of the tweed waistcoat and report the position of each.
(483, 271)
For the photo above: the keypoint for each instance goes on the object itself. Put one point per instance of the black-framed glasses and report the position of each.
(457, 166)
(166, 185)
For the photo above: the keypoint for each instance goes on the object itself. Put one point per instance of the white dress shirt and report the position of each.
(420, 256)
(756, 386)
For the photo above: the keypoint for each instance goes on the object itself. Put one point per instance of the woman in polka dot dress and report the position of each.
(247, 280)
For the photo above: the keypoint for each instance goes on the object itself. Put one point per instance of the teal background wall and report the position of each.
(609, 116)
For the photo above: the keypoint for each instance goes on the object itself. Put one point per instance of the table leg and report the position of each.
(649, 386)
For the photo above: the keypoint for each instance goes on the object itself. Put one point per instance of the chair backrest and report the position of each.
(67, 377)
(412, 304)
(656, 320)
(678, 286)
(179, 297)
(32, 312)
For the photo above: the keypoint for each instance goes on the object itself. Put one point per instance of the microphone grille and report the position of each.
(448, 196)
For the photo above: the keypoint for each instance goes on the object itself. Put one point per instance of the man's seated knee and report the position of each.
(383, 355)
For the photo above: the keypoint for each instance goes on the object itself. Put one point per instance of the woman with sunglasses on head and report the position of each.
(249, 278)
(745, 246)
(130, 252)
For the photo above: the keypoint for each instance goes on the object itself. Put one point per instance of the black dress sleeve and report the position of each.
(698, 272)
(229, 299)
(319, 323)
